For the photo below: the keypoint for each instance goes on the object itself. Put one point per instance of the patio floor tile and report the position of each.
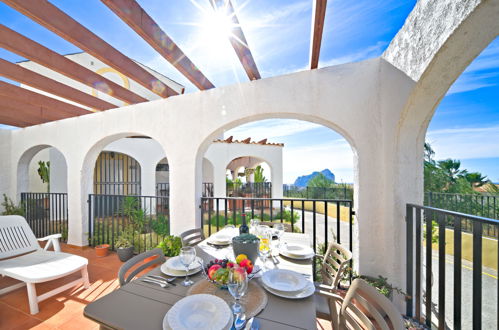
(65, 310)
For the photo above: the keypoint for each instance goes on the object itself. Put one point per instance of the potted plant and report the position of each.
(246, 244)
(101, 250)
(171, 246)
(124, 248)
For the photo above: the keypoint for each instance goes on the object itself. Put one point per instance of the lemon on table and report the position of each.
(241, 257)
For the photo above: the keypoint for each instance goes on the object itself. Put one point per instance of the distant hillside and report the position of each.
(302, 181)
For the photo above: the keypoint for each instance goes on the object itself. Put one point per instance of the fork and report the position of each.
(157, 282)
(157, 277)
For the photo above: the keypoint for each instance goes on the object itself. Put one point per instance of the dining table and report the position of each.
(141, 305)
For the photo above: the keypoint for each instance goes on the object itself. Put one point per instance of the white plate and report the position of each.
(199, 311)
(175, 264)
(170, 272)
(297, 250)
(284, 280)
(220, 239)
(284, 253)
(306, 292)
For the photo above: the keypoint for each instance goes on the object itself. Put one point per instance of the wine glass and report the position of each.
(187, 256)
(254, 223)
(279, 228)
(237, 285)
(265, 236)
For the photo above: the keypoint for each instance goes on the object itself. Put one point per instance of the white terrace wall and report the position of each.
(380, 106)
(220, 154)
(353, 99)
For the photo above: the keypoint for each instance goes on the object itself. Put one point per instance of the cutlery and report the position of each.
(275, 260)
(157, 277)
(157, 282)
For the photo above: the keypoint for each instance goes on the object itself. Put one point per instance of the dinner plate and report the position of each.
(284, 253)
(199, 311)
(284, 280)
(297, 250)
(306, 292)
(175, 264)
(220, 239)
(171, 272)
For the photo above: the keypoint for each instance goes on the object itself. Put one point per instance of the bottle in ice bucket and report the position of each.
(243, 229)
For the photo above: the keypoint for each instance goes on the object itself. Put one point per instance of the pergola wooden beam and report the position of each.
(27, 96)
(237, 39)
(133, 15)
(25, 47)
(31, 111)
(54, 19)
(22, 75)
(318, 17)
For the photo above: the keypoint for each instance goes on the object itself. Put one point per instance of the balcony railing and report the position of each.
(324, 220)
(341, 191)
(431, 228)
(250, 189)
(46, 213)
(474, 204)
(144, 220)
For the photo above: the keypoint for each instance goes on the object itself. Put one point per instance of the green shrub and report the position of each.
(171, 246)
(10, 208)
(160, 225)
(122, 242)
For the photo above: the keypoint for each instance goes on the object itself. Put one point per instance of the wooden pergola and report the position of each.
(22, 107)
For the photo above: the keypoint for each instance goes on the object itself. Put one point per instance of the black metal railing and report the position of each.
(46, 213)
(475, 204)
(249, 189)
(427, 226)
(342, 191)
(163, 189)
(143, 220)
(207, 189)
(324, 220)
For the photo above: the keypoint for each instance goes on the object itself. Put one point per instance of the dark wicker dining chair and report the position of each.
(192, 237)
(138, 261)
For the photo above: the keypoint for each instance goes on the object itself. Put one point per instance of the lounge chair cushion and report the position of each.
(41, 266)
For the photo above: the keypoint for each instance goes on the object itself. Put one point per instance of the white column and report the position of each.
(79, 186)
(185, 192)
(148, 185)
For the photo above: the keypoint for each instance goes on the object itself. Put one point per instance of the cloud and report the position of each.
(271, 129)
(465, 143)
(369, 52)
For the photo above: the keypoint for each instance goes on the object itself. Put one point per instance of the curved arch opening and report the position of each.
(42, 177)
(127, 201)
(290, 152)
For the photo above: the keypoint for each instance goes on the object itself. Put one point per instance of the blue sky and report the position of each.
(465, 125)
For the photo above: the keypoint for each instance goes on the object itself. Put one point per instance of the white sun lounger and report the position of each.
(22, 258)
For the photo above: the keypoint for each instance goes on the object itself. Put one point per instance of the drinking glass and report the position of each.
(187, 256)
(254, 223)
(265, 236)
(237, 285)
(279, 228)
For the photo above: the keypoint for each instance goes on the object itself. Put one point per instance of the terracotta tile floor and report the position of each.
(65, 310)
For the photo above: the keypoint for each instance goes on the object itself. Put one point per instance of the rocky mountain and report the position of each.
(302, 181)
